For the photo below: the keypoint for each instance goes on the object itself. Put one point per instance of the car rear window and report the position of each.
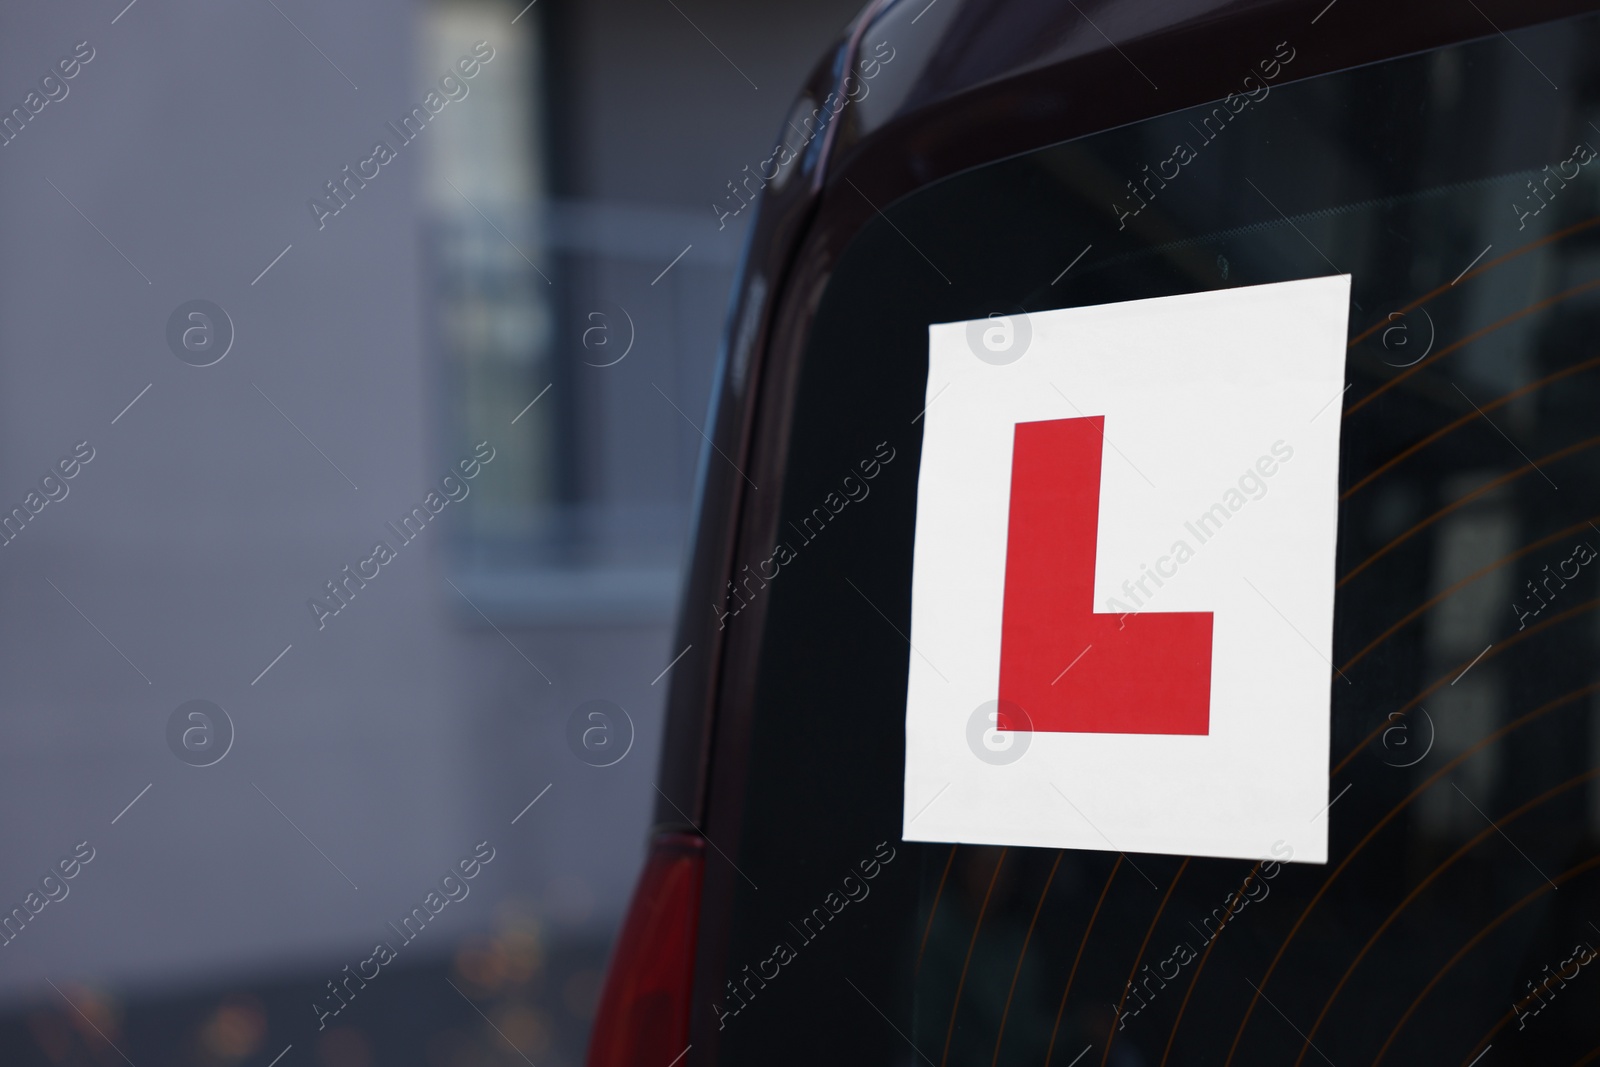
(1458, 909)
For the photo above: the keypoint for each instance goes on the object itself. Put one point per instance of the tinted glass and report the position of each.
(1458, 189)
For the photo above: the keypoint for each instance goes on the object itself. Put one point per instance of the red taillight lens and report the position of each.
(643, 1020)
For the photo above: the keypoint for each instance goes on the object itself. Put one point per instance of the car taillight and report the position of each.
(643, 1018)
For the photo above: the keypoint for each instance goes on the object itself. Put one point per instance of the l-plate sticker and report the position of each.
(1122, 590)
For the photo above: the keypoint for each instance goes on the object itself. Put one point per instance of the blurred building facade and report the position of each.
(547, 239)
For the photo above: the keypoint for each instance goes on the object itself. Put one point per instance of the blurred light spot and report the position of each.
(235, 1030)
(527, 1027)
(483, 963)
(344, 1047)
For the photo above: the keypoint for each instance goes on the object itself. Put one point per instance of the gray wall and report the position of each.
(183, 555)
